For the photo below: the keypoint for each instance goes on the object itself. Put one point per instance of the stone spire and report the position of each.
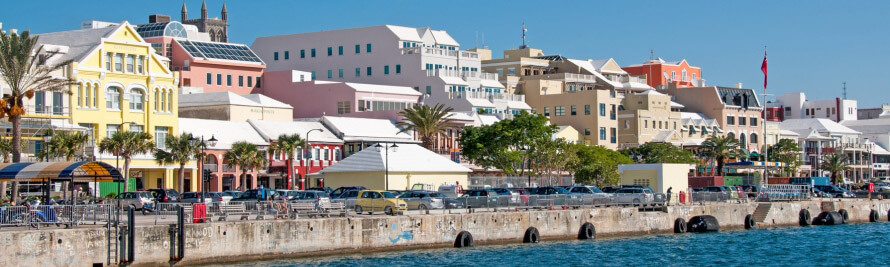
(225, 12)
(185, 13)
(204, 9)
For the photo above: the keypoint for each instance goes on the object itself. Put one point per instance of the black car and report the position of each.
(323, 189)
(340, 190)
(165, 195)
(549, 190)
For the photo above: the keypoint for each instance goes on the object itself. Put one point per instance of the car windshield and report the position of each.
(436, 195)
(172, 193)
(388, 195)
(595, 190)
(560, 190)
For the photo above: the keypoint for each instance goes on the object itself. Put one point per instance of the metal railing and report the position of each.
(54, 215)
(784, 192)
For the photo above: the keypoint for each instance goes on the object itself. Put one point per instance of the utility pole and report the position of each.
(845, 90)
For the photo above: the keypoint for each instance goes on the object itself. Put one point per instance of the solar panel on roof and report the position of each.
(220, 51)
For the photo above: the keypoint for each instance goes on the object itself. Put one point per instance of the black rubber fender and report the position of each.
(703, 223)
(829, 218)
(464, 240)
(845, 215)
(679, 226)
(587, 231)
(749, 222)
(531, 235)
(873, 216)
(804, 218)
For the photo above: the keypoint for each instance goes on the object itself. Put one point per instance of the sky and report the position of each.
(814, 46)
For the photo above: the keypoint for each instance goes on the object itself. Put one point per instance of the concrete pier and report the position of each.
(236, 241)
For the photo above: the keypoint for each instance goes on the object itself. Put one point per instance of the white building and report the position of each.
(796, 106)
(818, 137)
(430, 61)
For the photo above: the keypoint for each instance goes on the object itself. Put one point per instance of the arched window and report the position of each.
(210, 159)
(163, 99)
(96, 95)
(731, 135)
(213, 36)
(137, 98)
(79, 95)
(170, 101)
(88, 102)
(157, 95)
(113, 98)
(754, 138)
(742, 141)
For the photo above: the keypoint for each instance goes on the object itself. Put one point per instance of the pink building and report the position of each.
(314, 98)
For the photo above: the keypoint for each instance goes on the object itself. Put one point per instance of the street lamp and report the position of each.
(308, 161)
(47, 140)
(395, 148)
(204, 173)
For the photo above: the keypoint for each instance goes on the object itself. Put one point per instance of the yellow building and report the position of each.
(649, 116)
(121, 85)
(406, 165)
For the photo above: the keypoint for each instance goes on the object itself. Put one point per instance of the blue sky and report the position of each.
(814, 46)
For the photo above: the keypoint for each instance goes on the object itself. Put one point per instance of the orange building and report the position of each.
(660, 73)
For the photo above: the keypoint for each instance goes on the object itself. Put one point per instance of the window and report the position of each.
(79, 95)
(161, 136)
(302, 53)
(398, 68)
(586, 131)
(574, 110)
(742, 121)
(110, 129)
(602, 133)
(313, 52)
(249, 81)
(218, 79)
(429, 89)
(386, 70)
(368, 49)
(358, 49)
(730, 120)
(511, 71)
(330, 51)
(170, 101)
(229, 80)
(95, 95)
(113, 98)
(754, 138)
(140, 65)
(313, 75)
(157, 97)
(626, 124)
(602, 109)
(330, 74)
(136, 99)
(209, 78)
(358, 72)
(674, 75)
(369, 71)
(340, 73)
(586, 109)
(119, 62)
(547, 111)
(614, 137)
(240, 80)
(108, 62)
(136, 128)
(163, 99)
(343, 107)
(753, 121)
(258, 85)
(560, 111)
(40, 102)
(685, 78)
(340, 50)
(275, 56)
(613, 112)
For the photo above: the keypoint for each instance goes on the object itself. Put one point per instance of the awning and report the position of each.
(518, 105)
(490, 84)
(454, 81)
(82, 171)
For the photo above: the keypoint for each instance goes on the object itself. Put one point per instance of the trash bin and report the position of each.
(199, 213)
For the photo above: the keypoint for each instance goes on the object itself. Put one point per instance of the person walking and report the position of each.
(669, 194)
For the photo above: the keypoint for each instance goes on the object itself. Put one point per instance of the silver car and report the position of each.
(195, 197)
(139, 200)
(591, 195)
(635, 196)
(423, 200)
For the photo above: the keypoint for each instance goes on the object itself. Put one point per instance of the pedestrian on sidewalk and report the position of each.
(669, 194)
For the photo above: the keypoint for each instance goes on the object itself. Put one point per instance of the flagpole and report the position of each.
(765, 134)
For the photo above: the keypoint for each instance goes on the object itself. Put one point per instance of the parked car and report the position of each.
(610, 189)
(523, 195)
(423, 200)
(511, 197)
(371, 201)
(635, 196)
(340, 190)
(320, 198)
(880, 187)
(553, 196)
(287, 194)
(752, 190)
(452, 191)
(658, 196)
(139, 200)
(232, 194)
(323, 189)
(195, 197)
(479, 198)
(591, 195)
(835, 191)
(164, 195)
(255, 195)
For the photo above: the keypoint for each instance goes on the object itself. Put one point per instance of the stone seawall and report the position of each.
(234, 241)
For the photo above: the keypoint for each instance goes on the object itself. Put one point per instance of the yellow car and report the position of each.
(375, 200)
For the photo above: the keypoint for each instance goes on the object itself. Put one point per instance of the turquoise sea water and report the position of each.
(845, 245)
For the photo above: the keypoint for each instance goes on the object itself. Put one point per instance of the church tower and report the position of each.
(185, 13)
(217, 28)
(225, 12)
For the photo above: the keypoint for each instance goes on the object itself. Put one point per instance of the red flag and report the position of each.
(763, 68)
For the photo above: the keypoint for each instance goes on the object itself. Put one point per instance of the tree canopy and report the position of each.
(787, 151)
(507, 144)
(660, 153)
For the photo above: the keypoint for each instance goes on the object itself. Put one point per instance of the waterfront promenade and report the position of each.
(237, 240)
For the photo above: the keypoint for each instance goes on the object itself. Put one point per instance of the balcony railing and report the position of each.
(486, 95)
(624, 79)
(46, 110)
(825, 150)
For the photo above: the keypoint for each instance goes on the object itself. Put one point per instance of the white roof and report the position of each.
(488, 120)
(229, 98)
(226, 132)
(478, 102)
(389, 89)
(872, 126)
(271, 130)
(588, 66)
(461, 116)
(788, 133)
(405, 33)
(368, 130)
(820, 125)
(676, 105)
(454, 81)
(491, 83)
(408, 158)
(877, 149)
(443, 38)
(266, 101)
(518, 105)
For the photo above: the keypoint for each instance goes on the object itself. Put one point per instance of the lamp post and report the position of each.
(308, 161)
(395, 148)
(47, 140)
(204, 174)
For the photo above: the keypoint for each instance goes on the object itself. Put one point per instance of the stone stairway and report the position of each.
(761, 212)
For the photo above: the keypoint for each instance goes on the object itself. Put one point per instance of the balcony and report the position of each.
(487, 96)
(624, 79)
(432, 51)
(45, 110)
(825, 150)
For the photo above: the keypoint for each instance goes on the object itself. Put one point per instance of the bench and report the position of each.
(308, 208)
(223, 210)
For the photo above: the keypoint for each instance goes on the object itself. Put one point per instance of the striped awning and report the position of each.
(81, 171)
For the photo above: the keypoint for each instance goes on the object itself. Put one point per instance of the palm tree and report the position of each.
(287, 144)
(25, 67)
(721, 148)
(68, 144)
(5, 149)
(426, 122)
(178, 150)
(836, 164)
(247, 157)
(125, 144)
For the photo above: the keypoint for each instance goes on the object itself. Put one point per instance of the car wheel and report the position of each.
(358, 209)
(636, 202)
(388, 211)
(422, 207)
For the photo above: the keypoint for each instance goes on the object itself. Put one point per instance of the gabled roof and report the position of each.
(872, 126)
(271, 130)
(366, 130)
(378, 88)
(266, 101)
(405, 33)
(410, 158)
(229, 52)
(227, 132)
(820, 125)
(215, 98)
(443, 38)
(79, 42)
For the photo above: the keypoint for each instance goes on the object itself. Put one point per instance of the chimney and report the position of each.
(157, 18)
(738, 85)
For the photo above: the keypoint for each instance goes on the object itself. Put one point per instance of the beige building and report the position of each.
(649, 116)
(395, 169)
(658, 176)
(737, 110)
(584, 94)
(568, 133)
(229, 106)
